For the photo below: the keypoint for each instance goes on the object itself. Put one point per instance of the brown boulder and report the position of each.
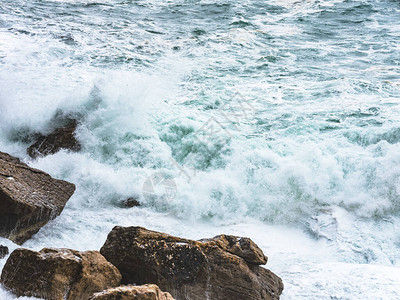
(29, 198)
(240, 246)
(60, 138)
(225, 267)
(3, 251)
(58, 274)
(131, 292)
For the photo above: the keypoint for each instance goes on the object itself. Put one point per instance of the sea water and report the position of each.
(275, 120)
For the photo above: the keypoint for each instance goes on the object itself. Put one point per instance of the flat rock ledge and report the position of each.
(224, 267)
(131, 292)
(58, 274)
(29, 198)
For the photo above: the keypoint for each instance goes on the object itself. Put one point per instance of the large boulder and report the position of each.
(29, 198)
(132, 292)
(58, 274)
(225, 267)
(60, 138)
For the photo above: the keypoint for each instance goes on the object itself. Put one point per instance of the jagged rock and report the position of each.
(131, 292)
(3, 251)
(241, 246)
(60, 138)
(29, 198)
(225, 267)
(58, 274)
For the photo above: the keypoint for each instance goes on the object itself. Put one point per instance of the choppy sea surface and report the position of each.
(276, 120)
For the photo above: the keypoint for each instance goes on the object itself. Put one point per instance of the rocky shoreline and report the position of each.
(134, 262)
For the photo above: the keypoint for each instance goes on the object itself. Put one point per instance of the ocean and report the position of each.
(275, 120)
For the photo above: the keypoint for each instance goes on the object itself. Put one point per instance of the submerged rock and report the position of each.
(29, 198)
(130, 202)
(60, 138)
(131, 292)
(225, 267)
(3, 251)
(58, 274)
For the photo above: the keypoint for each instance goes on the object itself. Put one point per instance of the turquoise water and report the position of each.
(303, 97)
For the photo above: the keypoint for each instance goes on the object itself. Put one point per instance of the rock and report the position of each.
(3, 251)
(60, 138)
(130, 202)
(225, 267)
(131, 292)
(29, 198)
(58, 274)
(241, 246)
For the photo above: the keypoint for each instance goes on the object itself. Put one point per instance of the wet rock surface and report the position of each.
(3, 251)
(58, 274)
(130, 202)
(60, 138)
(224, 267)
(29, 198)
(131, 292)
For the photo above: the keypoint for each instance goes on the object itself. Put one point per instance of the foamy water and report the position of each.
(304, 100)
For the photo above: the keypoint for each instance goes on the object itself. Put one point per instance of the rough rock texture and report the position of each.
(29, 198)
(241, 246)
(58, 274)
(225, 267)
(60, 138)
(131, 292)
(3, 251)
